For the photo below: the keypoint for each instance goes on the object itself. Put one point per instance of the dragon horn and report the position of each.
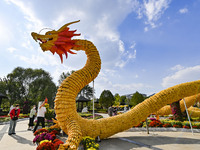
(63, 27)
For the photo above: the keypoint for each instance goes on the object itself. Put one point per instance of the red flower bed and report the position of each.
(196, 127)
(155, 123)
(46, 146)
(40, 131)
(167, 125)
(57, 142)
(187, 127)
(177, 126)
(4, 116)
(139, 125)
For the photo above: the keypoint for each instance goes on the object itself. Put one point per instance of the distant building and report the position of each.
(128, 96)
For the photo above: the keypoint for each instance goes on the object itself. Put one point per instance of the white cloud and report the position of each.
(177, 67)
(133, 45)
(152, 10)
(121, 46)
(29, 14)
(183, 11)
(146, 29)
(132, 55)
(12, 49)
(33, 60)
(6, 35)
(101, 28)
(104, 83)
(184, 75)
(126, 55)
(136, 76)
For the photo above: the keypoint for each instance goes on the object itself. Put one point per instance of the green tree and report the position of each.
(117, 99)
(127, 101)
(2, 88)
(136, 99)
(123, 100)
(86, 91)
(63, 76)
(30, 85)
(106, 98)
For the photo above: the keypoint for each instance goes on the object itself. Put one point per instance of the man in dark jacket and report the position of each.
(14, 115)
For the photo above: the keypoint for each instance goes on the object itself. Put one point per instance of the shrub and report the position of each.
(49, 113)
(89, 143)
(90, 116)
(152, 119)
(177, 123)
(102, 111)
(43, 136)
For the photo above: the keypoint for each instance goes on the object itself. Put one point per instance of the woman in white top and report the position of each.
(31, 118)
(40, 115)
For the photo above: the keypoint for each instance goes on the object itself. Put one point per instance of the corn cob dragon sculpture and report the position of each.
(68, 120)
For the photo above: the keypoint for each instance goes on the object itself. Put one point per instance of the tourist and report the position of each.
(14, 115)
(85, 109)
(31, 118)
(114, 111)
(40, 115)
(110, 111)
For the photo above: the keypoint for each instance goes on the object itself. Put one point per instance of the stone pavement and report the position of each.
(21, 141)
(128, 140)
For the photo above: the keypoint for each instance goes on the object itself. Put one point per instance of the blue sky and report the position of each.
(145, 45)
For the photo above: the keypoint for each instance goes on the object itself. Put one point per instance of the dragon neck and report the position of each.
(72, 85)
(91, 69)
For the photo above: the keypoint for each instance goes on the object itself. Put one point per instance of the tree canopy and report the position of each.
(136, 99)
(31, 85)
(106, 98)
(117, 99)
(123, 100)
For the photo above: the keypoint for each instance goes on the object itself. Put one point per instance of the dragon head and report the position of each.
(57, 41)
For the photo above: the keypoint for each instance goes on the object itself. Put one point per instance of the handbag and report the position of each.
(15, 118)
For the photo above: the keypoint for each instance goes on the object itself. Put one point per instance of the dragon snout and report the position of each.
(34, 35)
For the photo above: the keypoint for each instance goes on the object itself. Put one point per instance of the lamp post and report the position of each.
(93, 99)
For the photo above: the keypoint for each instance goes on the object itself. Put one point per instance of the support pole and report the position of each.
(188, 116)
(93, 99)
(147, 126)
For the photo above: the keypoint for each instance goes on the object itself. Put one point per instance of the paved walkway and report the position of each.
(21, 141)
(128, 140)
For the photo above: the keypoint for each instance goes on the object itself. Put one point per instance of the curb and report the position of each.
(170, 129)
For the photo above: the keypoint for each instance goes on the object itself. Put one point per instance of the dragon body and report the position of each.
(65, 102)
(194, 112)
